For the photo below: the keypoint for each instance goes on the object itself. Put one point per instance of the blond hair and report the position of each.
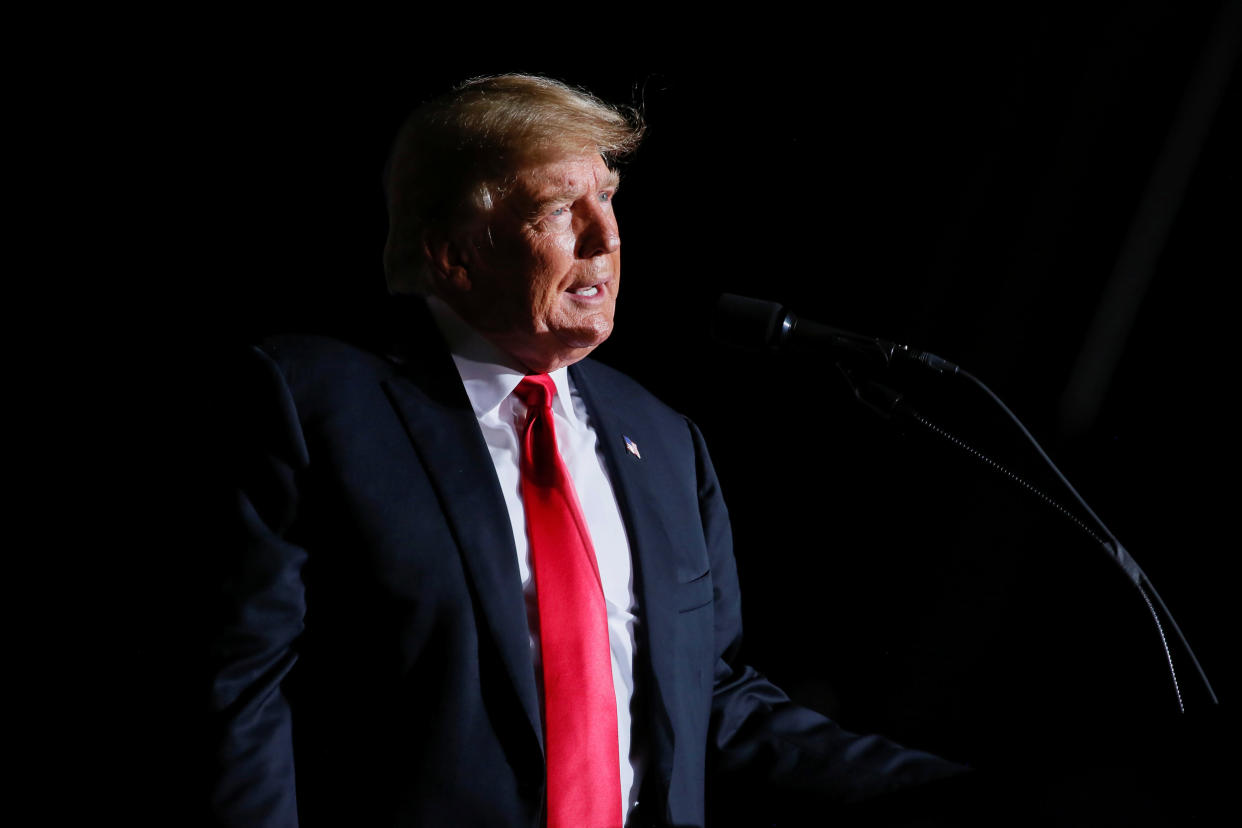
(454, 156)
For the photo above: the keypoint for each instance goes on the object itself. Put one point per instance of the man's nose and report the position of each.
(598, 235)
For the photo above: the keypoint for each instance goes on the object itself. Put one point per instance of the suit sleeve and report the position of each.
(757, 736)
(261, 606)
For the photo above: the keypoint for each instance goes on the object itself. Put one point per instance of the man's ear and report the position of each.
(450, 272)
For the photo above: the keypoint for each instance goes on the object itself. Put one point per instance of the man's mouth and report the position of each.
(588, 291)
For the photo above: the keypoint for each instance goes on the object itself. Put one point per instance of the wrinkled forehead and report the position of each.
(566, 178)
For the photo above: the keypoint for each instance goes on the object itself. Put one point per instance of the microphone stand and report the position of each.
(891, 405)
(753, 322)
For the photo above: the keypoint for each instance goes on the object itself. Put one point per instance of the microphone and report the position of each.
(760, 324)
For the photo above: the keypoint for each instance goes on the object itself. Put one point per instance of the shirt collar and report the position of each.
(487, 372)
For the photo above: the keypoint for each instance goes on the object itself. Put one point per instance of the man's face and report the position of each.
(544, 286)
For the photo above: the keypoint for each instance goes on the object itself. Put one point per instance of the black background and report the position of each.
(964, 181)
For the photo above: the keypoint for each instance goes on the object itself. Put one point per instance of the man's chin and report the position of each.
(588, 334)
(565, 346)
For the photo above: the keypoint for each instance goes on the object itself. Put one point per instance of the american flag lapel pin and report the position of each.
(631, 447)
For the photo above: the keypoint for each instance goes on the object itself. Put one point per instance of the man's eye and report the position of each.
(559, 211)
(605, 197)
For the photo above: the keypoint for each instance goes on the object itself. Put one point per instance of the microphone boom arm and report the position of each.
(752, 322)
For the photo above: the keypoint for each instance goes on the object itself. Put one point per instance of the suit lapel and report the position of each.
(442, 425)
(655, 574)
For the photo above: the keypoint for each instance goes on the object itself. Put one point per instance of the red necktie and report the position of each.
(580, 707)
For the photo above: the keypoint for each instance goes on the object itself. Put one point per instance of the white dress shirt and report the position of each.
(490, 379)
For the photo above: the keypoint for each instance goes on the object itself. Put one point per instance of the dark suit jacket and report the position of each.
(374, 667)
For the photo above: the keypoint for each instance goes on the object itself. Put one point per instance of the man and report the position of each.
(485, 580)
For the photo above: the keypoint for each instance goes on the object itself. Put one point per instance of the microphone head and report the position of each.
(748, 323)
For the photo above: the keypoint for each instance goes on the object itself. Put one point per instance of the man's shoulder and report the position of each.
(619, 403)
(607, 382)
(335, 378)
(402, 335)
(324, 353)
(307, 364)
